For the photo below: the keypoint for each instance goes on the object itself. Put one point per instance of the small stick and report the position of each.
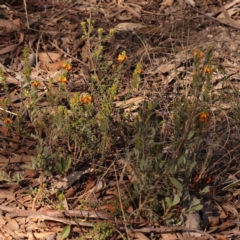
(230, 24)
(25, 8)
(168, 229)
(8, 111)
(62, 220)
(58, 214)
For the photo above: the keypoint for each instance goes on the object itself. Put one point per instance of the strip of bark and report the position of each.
(15, 212)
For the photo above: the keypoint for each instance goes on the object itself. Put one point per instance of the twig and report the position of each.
(1, 109)
(25, 8)
(62, 220)
(130, 10)
(153, 13)
(170, 229)
(233, 24)
(55, 213)
(120, 200)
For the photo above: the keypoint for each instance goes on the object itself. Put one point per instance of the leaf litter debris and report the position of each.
(146, 31)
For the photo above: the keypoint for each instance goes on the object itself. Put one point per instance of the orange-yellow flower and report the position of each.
(122, 57)
(62, 79)
(67, 66)
(208, 70)
(8, 121)
(198, 53)
(203, 117)
(86, 99)
(36, 84)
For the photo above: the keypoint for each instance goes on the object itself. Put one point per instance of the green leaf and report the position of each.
(190, 135)
(168, 201)
(63, 163)
(65, 232)
(136, 187)
(196, 208)
(163, 205)
(143, 164)
(136, 152)
(181, 160)
(191, 145)
(161, 164)
(176, 200)
(59, 168)
(195, 202)
(169, 215)
(186, 154)
(199, 146)
(151, 132)
(205, 190)
(176, 183)
(69, 162)
(191, 168)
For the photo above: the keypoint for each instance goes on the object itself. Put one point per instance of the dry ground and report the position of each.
(162, 36)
